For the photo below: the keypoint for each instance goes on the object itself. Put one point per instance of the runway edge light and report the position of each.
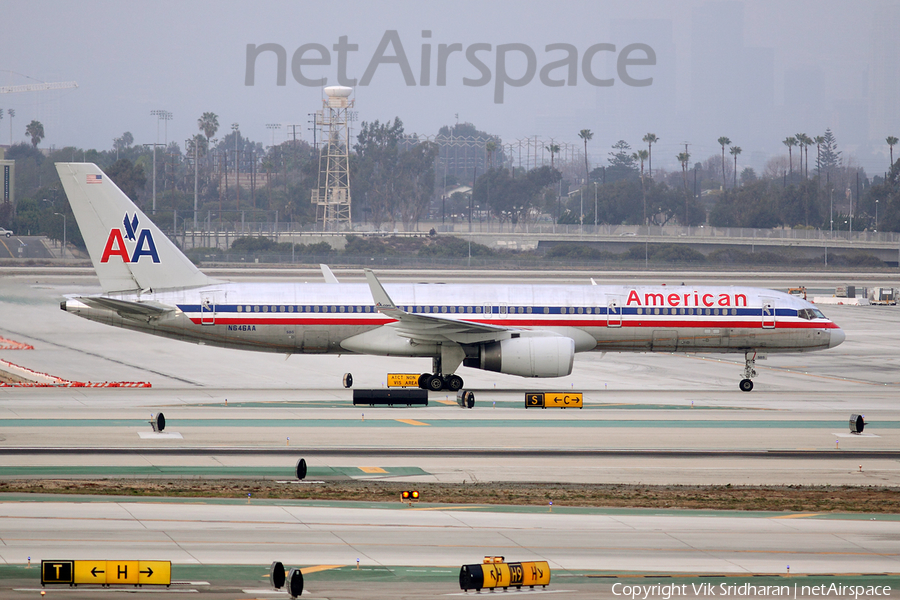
(295, 583)
(158, 422)
(276, 575)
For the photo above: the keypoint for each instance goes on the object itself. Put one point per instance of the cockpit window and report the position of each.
(810, 314)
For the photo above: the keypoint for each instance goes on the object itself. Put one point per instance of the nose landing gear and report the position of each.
(746, 384)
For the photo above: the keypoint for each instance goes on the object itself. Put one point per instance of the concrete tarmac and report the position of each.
(634, 402)
(588, 552)
(649, 418)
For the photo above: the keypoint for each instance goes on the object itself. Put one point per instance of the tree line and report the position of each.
(397, 179)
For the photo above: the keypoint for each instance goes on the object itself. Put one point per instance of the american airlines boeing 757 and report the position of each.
(527, 330)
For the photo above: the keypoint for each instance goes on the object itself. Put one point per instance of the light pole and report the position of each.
(831, 213)
(595, 207)
(62, 253)
(154, 173)
(187, 144)
(166, 116)
(160, 115)
(237, 166)
(273, 127)
(581, 217)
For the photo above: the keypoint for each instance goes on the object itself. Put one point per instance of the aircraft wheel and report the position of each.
(746, 385)
(423, 380)
(434, 383)
(454, 383)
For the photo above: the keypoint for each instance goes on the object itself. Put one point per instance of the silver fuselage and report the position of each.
(318, 318)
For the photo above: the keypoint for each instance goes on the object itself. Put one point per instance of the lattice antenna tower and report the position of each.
(332, 196)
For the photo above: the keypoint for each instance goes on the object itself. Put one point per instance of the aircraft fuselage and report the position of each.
(320, 318)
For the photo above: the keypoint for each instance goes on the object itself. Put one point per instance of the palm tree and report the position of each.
(790, 142)
(490, 148)
(650, 139)
(799, 137)
(723, 141)
(735, 150)
(208, 123)
(807, 142)
(642, 155)
(891, 142)
(586, 135)
(553, 149)
(684, 158)
(35, 130)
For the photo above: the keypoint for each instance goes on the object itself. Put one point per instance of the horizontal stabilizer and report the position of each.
(125, 308)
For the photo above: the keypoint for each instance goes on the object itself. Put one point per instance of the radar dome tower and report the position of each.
(332, 196)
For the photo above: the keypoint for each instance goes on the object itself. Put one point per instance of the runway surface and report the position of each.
(660, 419)
(679, 405)
(580, 546)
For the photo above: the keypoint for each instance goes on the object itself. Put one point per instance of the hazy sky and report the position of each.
(756, 71)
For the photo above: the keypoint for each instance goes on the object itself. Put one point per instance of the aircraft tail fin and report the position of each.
(128, 250)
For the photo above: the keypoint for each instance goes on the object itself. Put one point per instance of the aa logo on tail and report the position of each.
(142, 243)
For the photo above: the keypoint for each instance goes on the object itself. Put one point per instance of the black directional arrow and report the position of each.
(94, 571)
(149, 572)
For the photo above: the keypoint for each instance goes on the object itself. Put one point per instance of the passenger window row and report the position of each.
(421, 309)
(688, 311)
(806, 313)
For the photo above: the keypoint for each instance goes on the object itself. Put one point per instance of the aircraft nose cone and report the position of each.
(837, 337)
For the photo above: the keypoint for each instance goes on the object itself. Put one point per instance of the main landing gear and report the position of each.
(437, 381)
(746, 384)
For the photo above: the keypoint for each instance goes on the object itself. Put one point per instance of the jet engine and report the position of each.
(549, 356)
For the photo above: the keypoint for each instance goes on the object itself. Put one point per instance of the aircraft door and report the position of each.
(768, 313)
(208, 309)
(613, 313)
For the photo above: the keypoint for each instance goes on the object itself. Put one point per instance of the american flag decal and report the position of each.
(95, 179)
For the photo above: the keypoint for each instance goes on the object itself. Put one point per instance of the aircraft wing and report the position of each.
(126, 309)
(429, 328)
